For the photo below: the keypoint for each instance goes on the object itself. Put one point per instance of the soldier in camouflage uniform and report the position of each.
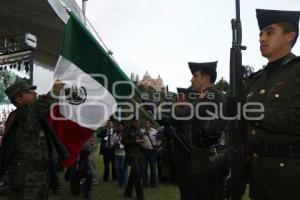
(274, 140)
(29, 153)
(206, 133)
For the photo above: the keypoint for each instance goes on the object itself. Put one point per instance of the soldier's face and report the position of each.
(26, 97)
(197, 81)
(274, 43)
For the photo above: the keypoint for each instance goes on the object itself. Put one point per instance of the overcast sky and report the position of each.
(161, 36)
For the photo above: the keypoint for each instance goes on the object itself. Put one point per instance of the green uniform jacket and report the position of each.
(206, 181)
(274, 141)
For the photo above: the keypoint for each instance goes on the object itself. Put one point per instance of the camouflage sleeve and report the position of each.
(284, 120)
(43, 104)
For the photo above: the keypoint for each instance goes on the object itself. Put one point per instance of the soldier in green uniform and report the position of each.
(132, 140)
(25, 149)
(207, 132)
(274, 140)
(180, 157)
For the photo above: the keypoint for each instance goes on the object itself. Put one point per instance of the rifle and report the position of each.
(236, 152)
(236, 138)
(171, 133)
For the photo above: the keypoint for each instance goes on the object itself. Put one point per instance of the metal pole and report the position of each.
(31, 63)
(84, 9)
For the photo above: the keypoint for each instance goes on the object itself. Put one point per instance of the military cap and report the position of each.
(202, 66)
(17, 87)
(269, 17)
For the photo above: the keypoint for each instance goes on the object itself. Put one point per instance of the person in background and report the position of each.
(132, 141)
(149, 148)
(120, 164)
(92, 145)
(107, 150)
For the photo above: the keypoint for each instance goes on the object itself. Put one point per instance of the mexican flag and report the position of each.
(93, 81)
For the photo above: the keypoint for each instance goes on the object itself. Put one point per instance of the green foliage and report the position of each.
(222, 85)
(6, 79)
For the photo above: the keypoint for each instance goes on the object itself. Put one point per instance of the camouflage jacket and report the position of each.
(25, 142)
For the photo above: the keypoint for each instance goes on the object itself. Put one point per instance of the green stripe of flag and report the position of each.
(82, 49)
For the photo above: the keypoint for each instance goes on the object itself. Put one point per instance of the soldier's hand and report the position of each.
(57, 86)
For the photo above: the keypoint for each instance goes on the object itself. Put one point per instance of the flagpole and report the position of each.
(84, 9)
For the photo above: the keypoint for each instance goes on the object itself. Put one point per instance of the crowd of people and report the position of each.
(119, 153)
(127, 146)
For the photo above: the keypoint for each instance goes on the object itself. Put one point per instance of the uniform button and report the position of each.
(291, 154)
(255, 155)
(290, 146)
(262, 91)
(276, 95)
(281, 164)
(253, 132)
(256, 124)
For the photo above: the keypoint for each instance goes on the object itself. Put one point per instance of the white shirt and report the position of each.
(109, 138)
(119, 150)
(152, 135)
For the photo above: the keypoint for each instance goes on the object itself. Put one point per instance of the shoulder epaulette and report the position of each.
(290, 59)
(255, 74)
(294, 59)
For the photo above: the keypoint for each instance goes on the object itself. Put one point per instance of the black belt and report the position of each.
(149, 149)
(279, 150)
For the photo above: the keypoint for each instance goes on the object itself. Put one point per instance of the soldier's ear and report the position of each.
(206, 77)
(18, 100)
(291, 36)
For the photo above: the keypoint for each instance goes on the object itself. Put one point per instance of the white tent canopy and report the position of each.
(44, 18)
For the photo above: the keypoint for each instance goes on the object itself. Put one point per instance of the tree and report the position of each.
(6, 79)
(222, 85)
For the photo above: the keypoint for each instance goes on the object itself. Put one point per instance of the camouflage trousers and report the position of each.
(28, 184)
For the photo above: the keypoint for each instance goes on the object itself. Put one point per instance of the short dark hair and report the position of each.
(211, 73)
(288, 27)
(121, 122)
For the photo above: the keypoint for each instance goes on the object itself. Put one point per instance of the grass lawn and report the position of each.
(110, 190)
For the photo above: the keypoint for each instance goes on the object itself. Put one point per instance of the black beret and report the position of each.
(202, 66)
(269, 17)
